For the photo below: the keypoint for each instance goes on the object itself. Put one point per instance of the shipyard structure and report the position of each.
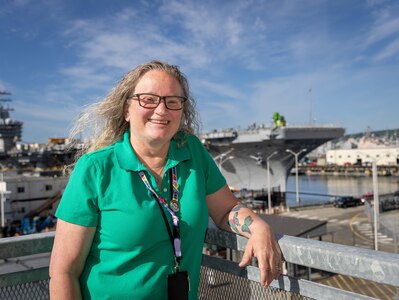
(258, 158)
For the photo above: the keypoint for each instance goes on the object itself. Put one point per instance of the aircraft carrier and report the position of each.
(242, 155)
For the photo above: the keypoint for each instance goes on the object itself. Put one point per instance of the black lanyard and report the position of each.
(172, 208)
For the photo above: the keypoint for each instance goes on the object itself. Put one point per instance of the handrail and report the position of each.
(26, 244)
(380, 267)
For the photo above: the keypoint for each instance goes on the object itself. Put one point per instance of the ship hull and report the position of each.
(242, 157)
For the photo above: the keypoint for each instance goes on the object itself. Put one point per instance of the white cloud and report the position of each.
(234, 32)
(85, 77)
(222, 89)
(382, 30)
(59, 110)
(202, 21)
(391, 50)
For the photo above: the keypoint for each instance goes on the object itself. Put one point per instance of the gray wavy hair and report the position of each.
(105, 122)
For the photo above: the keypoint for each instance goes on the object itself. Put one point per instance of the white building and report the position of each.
(22, 195)
(383, 156)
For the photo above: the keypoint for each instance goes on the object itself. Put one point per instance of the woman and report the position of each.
(133, 216)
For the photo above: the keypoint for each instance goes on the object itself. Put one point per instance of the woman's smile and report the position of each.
(156, 125)
(158, 121)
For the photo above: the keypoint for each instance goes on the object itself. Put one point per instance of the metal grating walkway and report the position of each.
(217, 285)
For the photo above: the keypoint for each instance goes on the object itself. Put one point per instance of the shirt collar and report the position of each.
(128, 160)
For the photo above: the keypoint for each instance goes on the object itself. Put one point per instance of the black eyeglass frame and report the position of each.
(160, 98)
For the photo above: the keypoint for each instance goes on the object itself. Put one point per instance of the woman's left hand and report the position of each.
(229, 214)
(262, 245)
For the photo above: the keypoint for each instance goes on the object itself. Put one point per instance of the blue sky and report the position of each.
(326, 62)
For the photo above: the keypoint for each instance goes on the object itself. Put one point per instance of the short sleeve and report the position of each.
(78, 204)
(214, 179)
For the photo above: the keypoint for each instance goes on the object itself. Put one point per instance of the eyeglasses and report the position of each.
(151, 101)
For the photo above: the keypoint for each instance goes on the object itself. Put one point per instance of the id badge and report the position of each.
(178, 286)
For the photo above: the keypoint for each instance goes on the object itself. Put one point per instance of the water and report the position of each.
(328, 186)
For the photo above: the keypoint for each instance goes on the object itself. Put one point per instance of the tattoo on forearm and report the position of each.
(247, 222)
(238, 207)
(234, 223)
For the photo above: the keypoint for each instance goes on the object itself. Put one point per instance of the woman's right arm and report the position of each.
(71, 246)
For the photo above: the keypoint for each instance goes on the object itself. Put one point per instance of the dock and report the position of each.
(356, 170)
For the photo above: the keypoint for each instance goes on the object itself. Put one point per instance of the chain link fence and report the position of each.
(214, 285)
(36, 290)
(217, 285)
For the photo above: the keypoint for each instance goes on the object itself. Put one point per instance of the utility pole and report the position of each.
(296, 171)
(269, 197)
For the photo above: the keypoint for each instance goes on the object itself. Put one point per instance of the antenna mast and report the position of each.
(311, 107)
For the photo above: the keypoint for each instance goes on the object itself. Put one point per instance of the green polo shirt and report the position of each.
(131, 254)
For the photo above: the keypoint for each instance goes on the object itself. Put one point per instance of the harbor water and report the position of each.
(317, 189)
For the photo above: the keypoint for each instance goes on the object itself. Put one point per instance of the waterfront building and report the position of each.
(362, 157)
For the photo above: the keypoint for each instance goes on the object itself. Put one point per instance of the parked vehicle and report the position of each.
(346, 201)
(369, 196)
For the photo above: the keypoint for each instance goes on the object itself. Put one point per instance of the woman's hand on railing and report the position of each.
(262, 245)
(230, 214)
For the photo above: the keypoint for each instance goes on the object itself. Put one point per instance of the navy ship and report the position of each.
(243, 155)
(10, 130)
(18, 155)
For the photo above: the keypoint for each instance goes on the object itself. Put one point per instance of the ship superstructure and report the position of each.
(10, 130)
(15, 154)
(242, 155)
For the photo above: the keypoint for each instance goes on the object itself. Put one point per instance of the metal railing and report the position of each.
(222, 278)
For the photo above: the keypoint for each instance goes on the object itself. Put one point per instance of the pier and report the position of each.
(357, 170)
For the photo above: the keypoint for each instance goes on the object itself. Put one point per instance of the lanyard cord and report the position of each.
(167, 225)
(174, 204)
